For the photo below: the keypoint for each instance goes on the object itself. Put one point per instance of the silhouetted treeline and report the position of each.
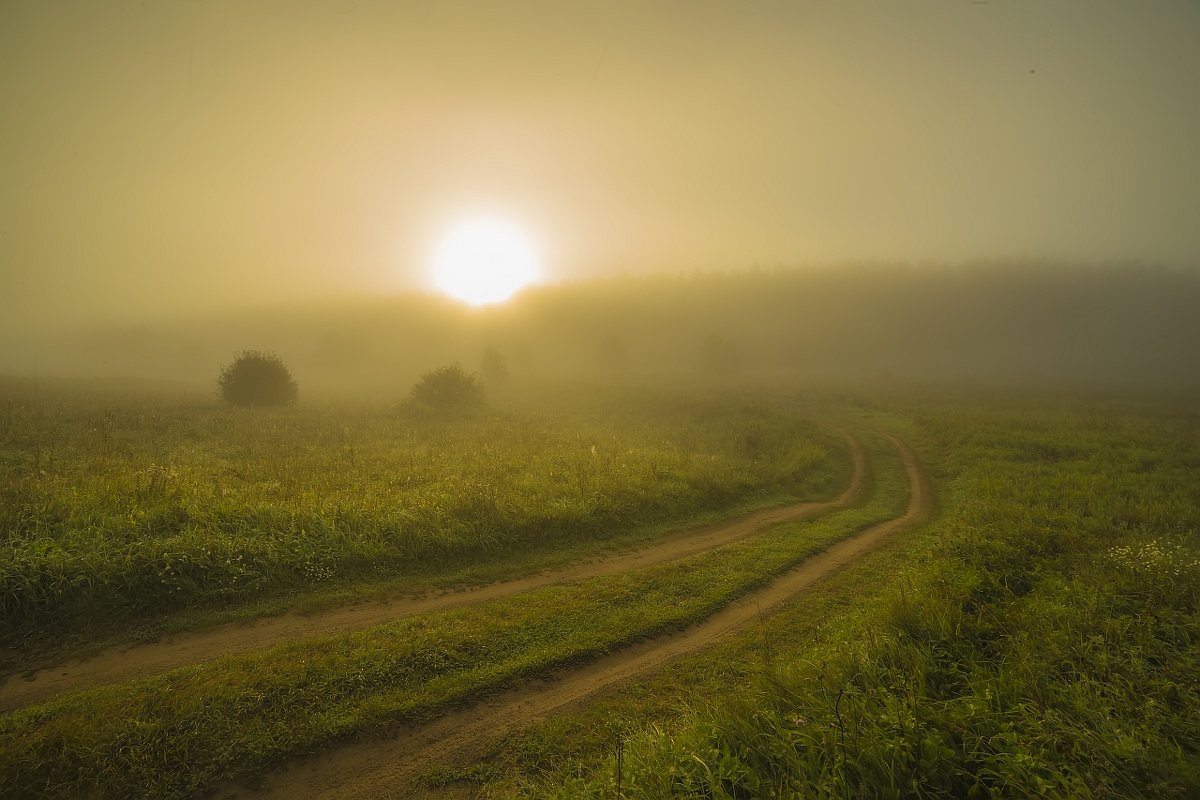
(1008, 323)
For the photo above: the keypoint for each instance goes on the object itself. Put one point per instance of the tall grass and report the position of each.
(185, 731)
(1043, 642)
(119, 509)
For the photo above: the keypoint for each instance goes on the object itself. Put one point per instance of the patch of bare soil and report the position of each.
(373, 770)
(125, 663)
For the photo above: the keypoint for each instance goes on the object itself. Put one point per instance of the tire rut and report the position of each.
(124, 663)
(372, 770)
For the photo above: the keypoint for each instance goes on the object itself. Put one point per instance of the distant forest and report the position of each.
(1006, 323)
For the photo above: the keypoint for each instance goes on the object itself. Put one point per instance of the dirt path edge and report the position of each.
(126, 663)
(372, 770)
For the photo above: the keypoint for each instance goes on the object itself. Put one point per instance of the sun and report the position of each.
(484, 260)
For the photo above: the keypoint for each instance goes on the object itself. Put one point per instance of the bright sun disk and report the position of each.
(484, 260)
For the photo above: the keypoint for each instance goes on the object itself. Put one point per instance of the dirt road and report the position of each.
(383, 769)
(125, 663)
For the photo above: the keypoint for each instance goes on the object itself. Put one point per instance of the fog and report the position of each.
(704, 181)
(1014, 324)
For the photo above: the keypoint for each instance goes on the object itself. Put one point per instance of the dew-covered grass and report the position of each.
(1040, 639)
(112, 509)
(190, 729)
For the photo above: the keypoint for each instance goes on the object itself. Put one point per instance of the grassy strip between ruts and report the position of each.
(1042, 639)
(188, 730)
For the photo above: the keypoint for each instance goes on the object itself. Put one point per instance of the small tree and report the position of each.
(450, 388)
(257, 379)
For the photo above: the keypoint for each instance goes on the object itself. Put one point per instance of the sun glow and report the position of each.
(484, 260)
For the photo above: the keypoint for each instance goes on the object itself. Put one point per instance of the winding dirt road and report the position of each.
(382, 769)
(125, 663)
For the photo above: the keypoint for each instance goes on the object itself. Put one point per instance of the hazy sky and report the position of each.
(169, 155)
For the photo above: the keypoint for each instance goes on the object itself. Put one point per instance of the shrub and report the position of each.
(450, 388)
(257, 379)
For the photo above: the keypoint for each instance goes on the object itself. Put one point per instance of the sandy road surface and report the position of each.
(374, 770)
(125, 663)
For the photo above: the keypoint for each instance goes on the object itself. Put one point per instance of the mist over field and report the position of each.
(180, 181)
(1015, 324)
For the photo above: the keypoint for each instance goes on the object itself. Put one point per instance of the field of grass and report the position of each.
(1041, 639)
(519, 478)
(200, 725)
(118, 509)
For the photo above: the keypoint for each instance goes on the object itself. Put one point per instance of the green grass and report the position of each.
(112, 514)
(190, 729)
(1041, 639)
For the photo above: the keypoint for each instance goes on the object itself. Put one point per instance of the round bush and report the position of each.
(450, 388)
(257, 379)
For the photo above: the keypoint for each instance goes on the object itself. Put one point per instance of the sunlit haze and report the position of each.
(484, 260)
(216, 153)
(180, 160)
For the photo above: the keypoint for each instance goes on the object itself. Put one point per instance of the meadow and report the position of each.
(1037, 637)
(1041, 638)
(121, 510)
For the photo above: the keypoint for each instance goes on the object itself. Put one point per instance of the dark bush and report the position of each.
(451, 388)
(257, 379)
